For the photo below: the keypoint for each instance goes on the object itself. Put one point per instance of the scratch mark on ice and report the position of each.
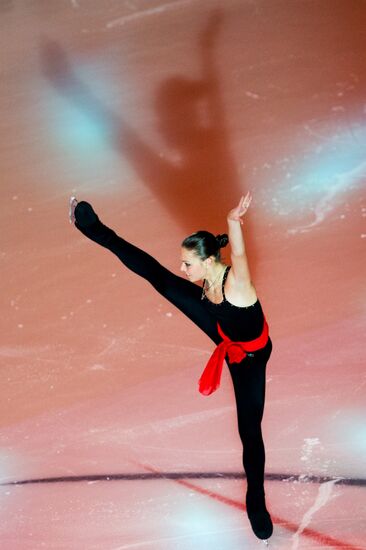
(108, 347)
(323, 496)
(143, 13)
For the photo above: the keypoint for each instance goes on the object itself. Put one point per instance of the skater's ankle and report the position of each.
(255, 496)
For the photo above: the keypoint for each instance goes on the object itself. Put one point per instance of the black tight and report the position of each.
(248, 377)
(249, 385)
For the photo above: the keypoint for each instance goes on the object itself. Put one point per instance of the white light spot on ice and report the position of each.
(308, 446)
(252, 95)
(97, 366)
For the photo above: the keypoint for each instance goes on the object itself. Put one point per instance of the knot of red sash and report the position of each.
(235, 351)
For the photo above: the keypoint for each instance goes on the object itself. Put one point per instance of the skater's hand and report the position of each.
(238, 212)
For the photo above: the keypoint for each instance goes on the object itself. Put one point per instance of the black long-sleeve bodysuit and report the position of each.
(238, 323)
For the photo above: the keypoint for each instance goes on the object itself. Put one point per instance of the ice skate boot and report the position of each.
(81, 213)
(259, 517)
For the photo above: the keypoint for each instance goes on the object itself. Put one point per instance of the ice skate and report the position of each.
(259, 517)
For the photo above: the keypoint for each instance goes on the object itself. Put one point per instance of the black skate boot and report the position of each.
(85, 220)
(258, 515)
(83, 213)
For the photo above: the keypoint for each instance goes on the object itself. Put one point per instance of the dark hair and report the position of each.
(205, 244)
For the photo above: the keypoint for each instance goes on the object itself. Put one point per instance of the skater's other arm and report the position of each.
(240, 274)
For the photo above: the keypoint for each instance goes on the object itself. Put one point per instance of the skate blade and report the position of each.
(72, 204)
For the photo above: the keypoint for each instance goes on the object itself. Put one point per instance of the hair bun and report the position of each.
(222, 240)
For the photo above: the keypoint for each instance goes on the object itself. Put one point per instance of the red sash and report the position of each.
(236, 352)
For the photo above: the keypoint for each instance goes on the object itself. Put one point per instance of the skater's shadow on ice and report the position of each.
(196, 181)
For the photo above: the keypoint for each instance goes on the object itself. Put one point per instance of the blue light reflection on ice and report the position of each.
(209, 526)
(349, 428)
(81, 130)
(333, 166)
(82, 127)
(84, 122)
(340, 156)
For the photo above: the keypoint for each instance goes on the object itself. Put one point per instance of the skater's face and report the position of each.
(192, 265)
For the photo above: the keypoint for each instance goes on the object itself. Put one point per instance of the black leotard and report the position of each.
(240, 324)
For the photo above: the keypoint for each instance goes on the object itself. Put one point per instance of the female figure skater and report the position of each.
(227, 309)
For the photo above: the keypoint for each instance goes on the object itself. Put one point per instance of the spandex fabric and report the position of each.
(239, 324)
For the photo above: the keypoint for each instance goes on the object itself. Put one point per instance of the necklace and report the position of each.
(205, 287)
